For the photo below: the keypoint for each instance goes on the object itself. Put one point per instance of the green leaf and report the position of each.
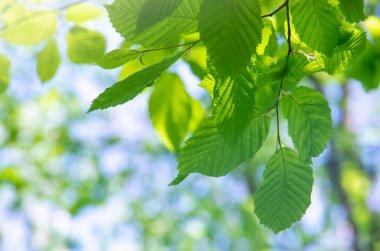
(208, 153)
(31, 28)
(233, 104)
(316, 22)
(83, 12)
(154, 11)
(366, 68)
(127, 89)
(270, 73)
(85, 46)
(352, 9)
(269, 43)
(208, 83)
(5, 68)
(231, 31)
(117, 58)
(123, 15)
(284, 195)
(48, 61)
(173, 112)
(309, 120)
(345, 53)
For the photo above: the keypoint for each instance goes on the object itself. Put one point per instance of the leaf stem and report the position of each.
(276, 10)
(290, 51)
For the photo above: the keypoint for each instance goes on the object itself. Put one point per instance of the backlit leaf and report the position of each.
(48, 61)
(231, 31)
(127, 89)
(309, 120)
(284, 195)
(173, 112)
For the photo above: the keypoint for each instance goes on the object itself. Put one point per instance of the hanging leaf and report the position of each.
(316, 22)
(173, 112)
(154, 11)
(231, 31)
(207, 152)
(345, 53)
(30, 28)
(117, 58)
(233, 104)
(123, 15)
(309, 120)
(127, 89)
(85, 46)
(352, 9)
(5, 67)
(48, 61)
(284, 195)
(83, 12)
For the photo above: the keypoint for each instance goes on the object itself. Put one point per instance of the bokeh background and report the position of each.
(71, 180)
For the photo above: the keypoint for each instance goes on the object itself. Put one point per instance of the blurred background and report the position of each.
(71, 180)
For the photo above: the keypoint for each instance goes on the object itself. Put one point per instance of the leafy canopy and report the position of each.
(250, 64)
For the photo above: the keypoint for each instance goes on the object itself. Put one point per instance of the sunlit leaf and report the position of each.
(173, 112)
(309, 120)
(154, 11)
(284, 195)
(30, 29)
(85, 46)
(127, 89)
(82, 13)
(233, 104)
(208, 153)
(316, 22)
(352, 9)
(231, 31)
(48, 61)
(5, 67)
(117, 58)
(123, 15)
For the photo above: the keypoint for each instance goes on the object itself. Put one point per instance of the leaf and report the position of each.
(154, 11)
(31, 28)
(48, 61)
(173, 112)
(123, 15)
(83, 12)
(316, 23)
(207, 152)
(208, 83)
(284, 195)
(309, 120)
(270, 73)
(85, 46)
(344, 54)
(117, 58)
(233, 104)
(352, 9)
(127, 89)
(231, 31)
(366, 68)
(269, 44)
(5, 67)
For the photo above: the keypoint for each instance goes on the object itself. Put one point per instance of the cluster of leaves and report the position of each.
(250, 63)
(35, 25)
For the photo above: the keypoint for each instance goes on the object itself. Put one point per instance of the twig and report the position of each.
(276, 10)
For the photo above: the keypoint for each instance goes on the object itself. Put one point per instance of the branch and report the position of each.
(276, 10)
(290, 51)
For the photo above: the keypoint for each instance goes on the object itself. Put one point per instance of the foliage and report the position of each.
(250, 74)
